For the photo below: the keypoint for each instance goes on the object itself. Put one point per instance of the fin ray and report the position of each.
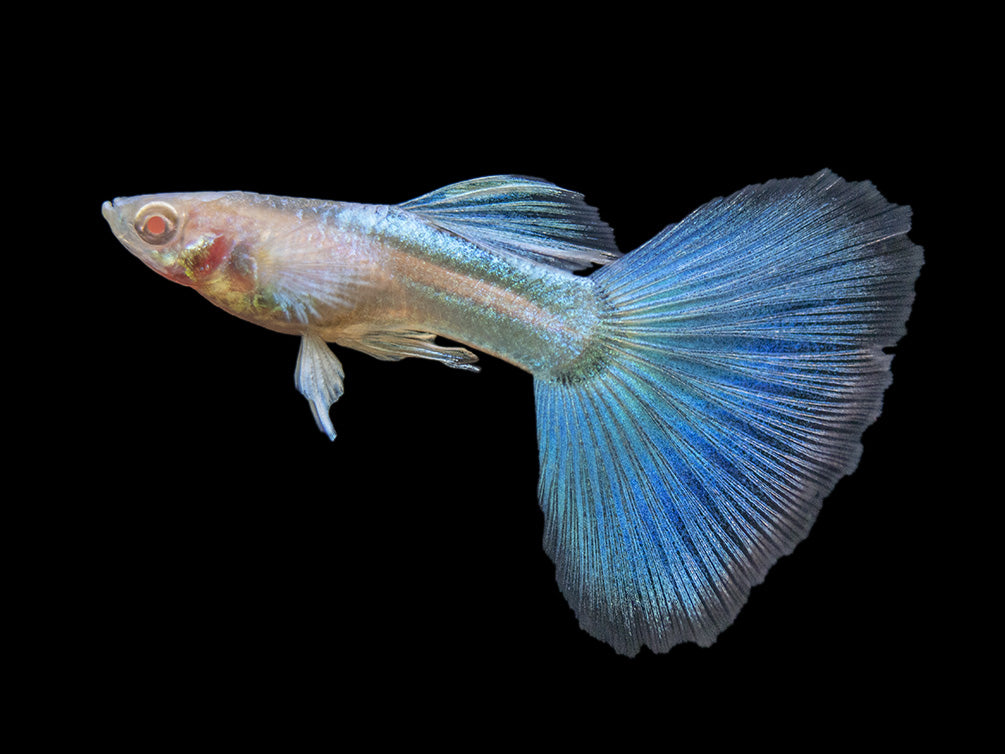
(394, 345)
(319, 378)
(303, 282)
(528, 217)
(743, 358)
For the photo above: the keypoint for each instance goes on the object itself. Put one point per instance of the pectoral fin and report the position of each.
(319, 379)
(393, 345)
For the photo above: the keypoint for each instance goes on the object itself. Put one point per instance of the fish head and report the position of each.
(173, 234)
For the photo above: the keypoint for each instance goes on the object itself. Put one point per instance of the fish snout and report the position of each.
(113, 216)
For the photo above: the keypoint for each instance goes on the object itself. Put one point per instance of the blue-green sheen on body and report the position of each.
(535, 316)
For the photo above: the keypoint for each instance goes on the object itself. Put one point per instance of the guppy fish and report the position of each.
(697, 398)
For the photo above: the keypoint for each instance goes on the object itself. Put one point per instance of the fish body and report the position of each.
(696, 398)
(367, 276)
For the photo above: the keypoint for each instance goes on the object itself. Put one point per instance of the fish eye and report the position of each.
(156, 223)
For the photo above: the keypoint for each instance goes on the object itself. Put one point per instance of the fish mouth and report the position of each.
(112, 217)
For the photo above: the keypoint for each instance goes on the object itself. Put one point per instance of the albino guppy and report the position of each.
(696, 399)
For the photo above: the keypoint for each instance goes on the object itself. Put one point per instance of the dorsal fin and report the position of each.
(528, 217)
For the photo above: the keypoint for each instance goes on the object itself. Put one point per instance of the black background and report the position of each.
(213, 546)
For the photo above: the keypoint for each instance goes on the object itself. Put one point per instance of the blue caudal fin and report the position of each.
(740, 361)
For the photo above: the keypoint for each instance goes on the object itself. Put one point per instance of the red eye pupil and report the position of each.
(156, 225)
